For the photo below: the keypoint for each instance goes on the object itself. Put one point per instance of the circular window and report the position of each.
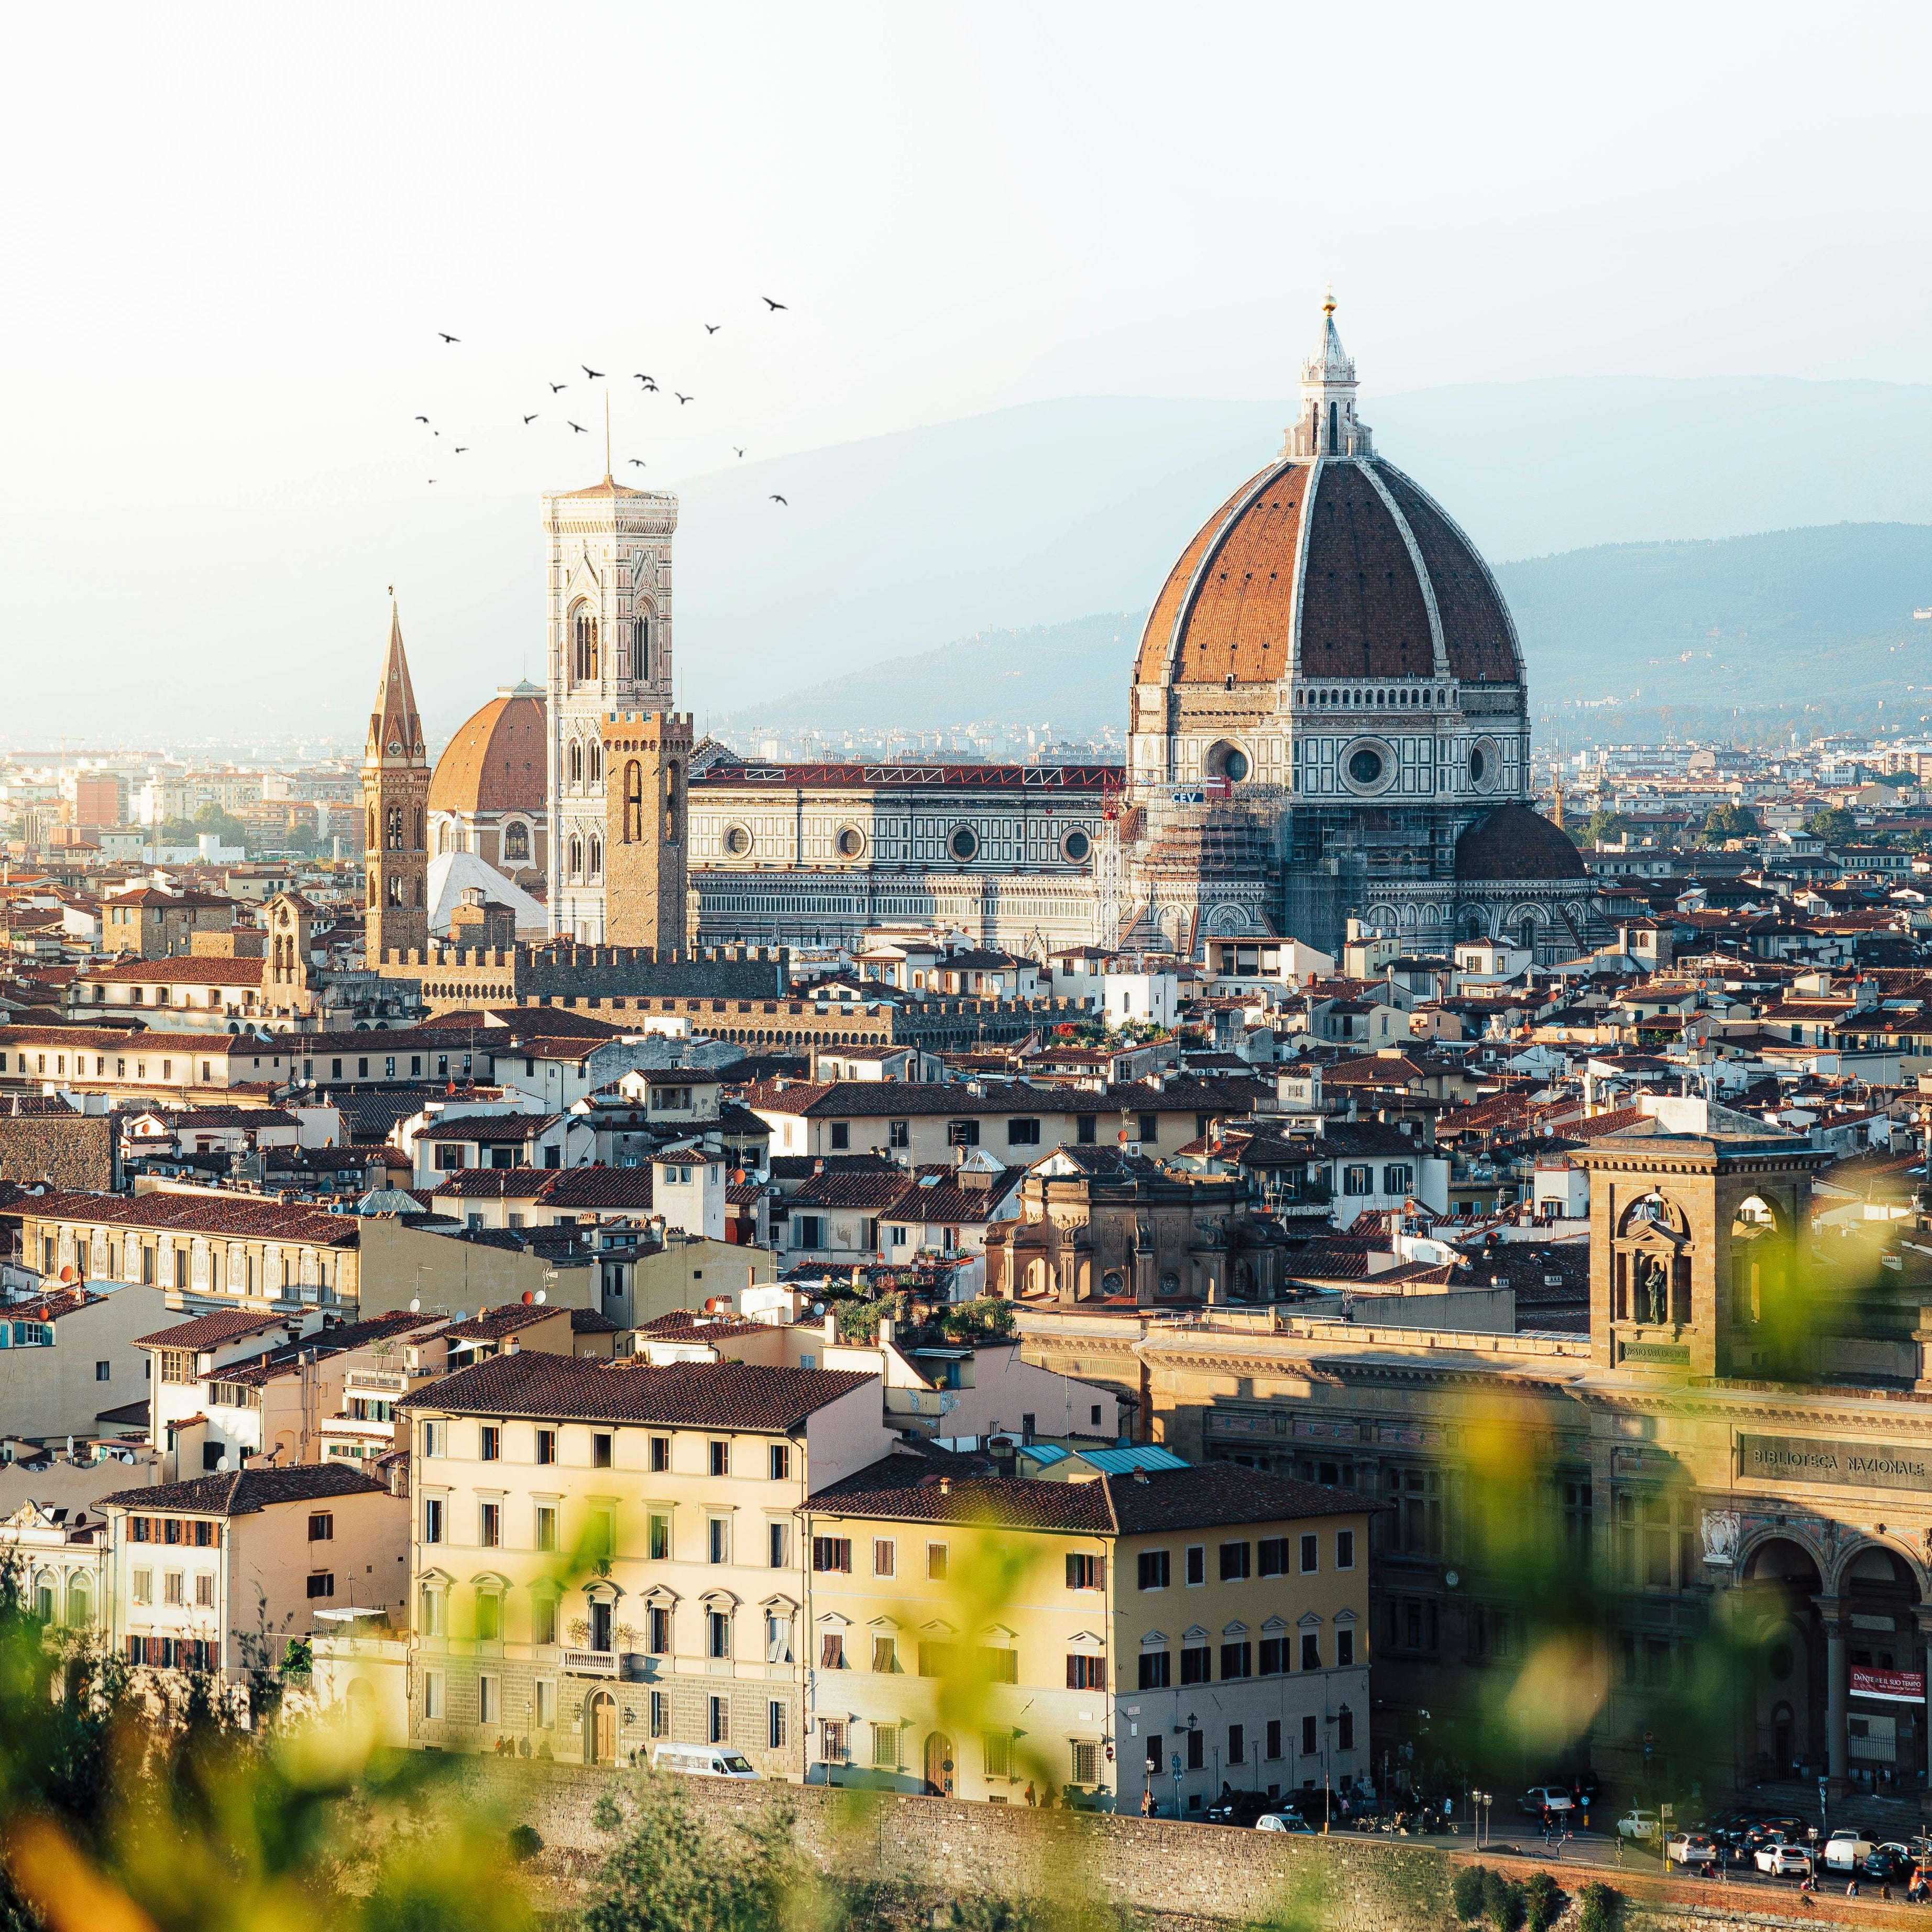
(1235, 766)
(1075, 847)
(963, 842)
(850, 841)
(1485, 761)
(1477, 764)
(1170, 1284)
(737, 841)
(1365, 767)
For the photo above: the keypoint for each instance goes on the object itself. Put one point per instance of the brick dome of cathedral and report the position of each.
(1514, 843)
(495, 760)
(1334, 567)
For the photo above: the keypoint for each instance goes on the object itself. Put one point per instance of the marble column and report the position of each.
(1836, 1682)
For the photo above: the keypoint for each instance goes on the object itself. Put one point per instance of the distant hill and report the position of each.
(1769, 623)
(1034, 516)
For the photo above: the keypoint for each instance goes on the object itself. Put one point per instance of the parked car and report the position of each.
(1845, 1848)
(702, 1761)
(1284, 1821)
(1888, 1864)
(1691, 1848)
(1783, 1860)
(1541, 1798)
(1636, 1822)
(1241, 1807)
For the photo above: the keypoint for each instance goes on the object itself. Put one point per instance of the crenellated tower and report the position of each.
(646, 832)
(395, 802)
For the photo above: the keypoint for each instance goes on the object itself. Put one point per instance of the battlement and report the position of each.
(648, 730)
(569, 955)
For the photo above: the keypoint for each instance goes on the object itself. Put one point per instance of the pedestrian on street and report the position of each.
(1147, 1802)
(1032, 1798)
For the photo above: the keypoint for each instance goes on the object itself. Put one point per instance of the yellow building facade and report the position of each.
(1168, 1631)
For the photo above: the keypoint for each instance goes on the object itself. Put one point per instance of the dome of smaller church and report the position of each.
(1512, 844)
(494, 762)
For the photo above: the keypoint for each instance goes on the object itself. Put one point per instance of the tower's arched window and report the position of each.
(575, 763)
(633, 803)
(1334, 429)
(418, 846)
(596, 764)
(369, 844)
(583, 647)
(395, 894)
(674, 805)
(575, 852)
(640, 647)
(394, 839)
(596, 856)
(517, 841)
(1528, 933)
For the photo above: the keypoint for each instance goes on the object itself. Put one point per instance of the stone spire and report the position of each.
(1327, 425)
(395, 729)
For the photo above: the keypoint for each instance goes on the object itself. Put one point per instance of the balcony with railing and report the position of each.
(592, 1662)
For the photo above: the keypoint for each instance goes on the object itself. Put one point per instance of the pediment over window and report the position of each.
(1281, 1623)
(1236, 1629)
(939, 1627)
(1308, 1620)
(1155, 1637)
(1195, 1633)
(831, 1620)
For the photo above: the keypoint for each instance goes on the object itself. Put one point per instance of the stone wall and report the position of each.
(1342, 1883)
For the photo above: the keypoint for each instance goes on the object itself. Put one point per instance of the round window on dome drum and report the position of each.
(1476, 766)
(1365, 767)
(963, 842)
(850, 841)
(1236, 767)
(1075, 847)
(737, 841)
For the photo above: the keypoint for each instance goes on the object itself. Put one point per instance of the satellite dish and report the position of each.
(528, 1297)
(415, 1304)
(463, 1315)
(543, 1295)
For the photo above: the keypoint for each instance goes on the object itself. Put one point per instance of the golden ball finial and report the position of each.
(1328, 306)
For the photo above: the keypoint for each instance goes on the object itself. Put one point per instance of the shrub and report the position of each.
(1542, 1901)
(525, 1843)
(1466, 1892)
(1502, 1901)
(1599, 1908)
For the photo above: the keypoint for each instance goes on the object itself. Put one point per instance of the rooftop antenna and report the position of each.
(606, 432)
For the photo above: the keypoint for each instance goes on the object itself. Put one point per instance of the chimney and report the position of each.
(945, 1485)
(831, 1329)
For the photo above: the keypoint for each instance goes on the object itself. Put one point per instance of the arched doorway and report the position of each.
(600, 1729)
(1885, 1724)
(1785, 1714)
(939, 1765)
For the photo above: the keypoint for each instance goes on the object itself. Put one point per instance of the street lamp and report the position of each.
(1482, 1800)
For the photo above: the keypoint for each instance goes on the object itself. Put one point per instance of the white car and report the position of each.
(1636, 1822)
(1284, 1821)
(1541, 1798)
(1691, 1848)
(1845, 1848)
(1783, 1860)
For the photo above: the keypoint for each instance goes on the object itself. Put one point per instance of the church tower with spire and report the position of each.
(395, 809)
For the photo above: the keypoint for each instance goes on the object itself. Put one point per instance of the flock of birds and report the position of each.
(772, 307)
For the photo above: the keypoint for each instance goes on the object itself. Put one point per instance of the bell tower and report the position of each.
(1695, 1217)
(647, 828)
(395, 804)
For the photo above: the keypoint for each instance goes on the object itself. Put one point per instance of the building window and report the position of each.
(1234, 1562)
(660, 1454)
(491, 1450)
(1358, 1179)
(832, 1554)
(997, 1748)
(831, 1740)
(936, 1559)
(433, 1696)
(779, 1465)
(543, 1619)
(1086, 1761)
(778, 1637)
(1153, 1567)
(832, 1650)
(1274, 1656)
(600, 1451)
(1237, 1741)
(720, 1459)
(321, 1583)
(1023, 1133)
(718, 1633)
(657, 1630)
(885, 1556)
(1345, 1645)
(660, 1714)
(1345, 1550)
(1086, 1673)
(1196, 1664)
(489, 1525)
(658, 1530)
(489, 1700)
(886, 1655)
(546, 1704)
(717, 1721)
(1311, 1561)
(1156, 1670)
(718, 1539)
(1236, 1659)
(1311, 1650)
(546, 1521)
(1344, 1729)
(432, 1519)
(1308, 1737)
(1086, 1573)
(885, 1746)
(777, 1545)
(1271, 1556)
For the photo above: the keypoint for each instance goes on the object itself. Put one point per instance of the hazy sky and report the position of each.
(230, 234)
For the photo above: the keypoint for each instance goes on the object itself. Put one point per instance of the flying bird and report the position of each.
(578, 427)
(777, 499)
(422, 419)
(531, 417)
(643, 379)
(461, 449)
(555, 386)
(432, 479)
(712, 328)
(638, 461)
(594, 374)
(769, 304)
(740, 451)
(449, 338)
(683, 398)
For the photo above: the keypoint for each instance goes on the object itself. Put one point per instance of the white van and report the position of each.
(702, 1761)
(1844, 1850)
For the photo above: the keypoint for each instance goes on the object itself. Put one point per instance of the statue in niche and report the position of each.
(1653, 1289)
